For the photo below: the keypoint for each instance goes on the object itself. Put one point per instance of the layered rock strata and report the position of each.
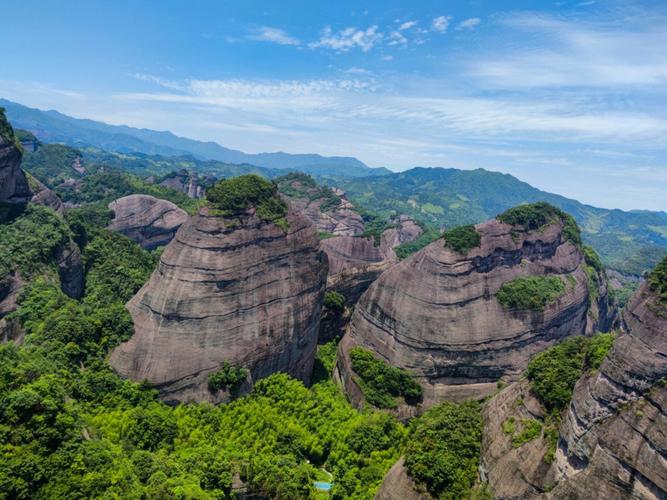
(614, 435)
(240, 291)
(436, 314)
(147, 220)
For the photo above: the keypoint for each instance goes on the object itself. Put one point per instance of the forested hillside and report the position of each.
(628, 241)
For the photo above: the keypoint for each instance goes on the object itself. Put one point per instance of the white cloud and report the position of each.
(396, 38)
(273, 35)
(348, 38)
(469, 24)
(559, 53)
(441, 23)
(407, 25)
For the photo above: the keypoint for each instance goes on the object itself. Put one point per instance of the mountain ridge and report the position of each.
(54, 126)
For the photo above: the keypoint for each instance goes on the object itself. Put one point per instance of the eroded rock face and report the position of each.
(436, 314)
(398, 485)
(355, 262)
(149, 221)
(614, 435)
(14, 186)
(243, 292)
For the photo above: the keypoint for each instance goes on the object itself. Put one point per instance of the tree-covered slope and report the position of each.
(629, 241)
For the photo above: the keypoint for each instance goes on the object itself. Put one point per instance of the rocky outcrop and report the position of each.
(147, 220)
(514, 471)
(436, 314)
(41, 195)
(603, 314)
(14, 186)
(241, 291)
(398, 485)
(614, 435)
(355, 262)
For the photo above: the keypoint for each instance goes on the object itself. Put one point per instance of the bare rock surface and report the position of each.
(614, 435)
(241, 291)
(14, 186)
(436, 314)
(398, 485)
(147, 220)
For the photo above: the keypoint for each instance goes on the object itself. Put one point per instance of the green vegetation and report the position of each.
(374, 225)
(554, 372)
(104, 187)
(228, 378)
(530, 429)
(382, 383)
(334, 301)
(530, 292)
(300, 185)
(536, 216)
(71, 428)
(657, 280)
(427, 237)
(631, 242)
(29, 242)
(232, 196)
(462, 239)
(6, 131)
(53, 164)
(443, 450)
(592, 259)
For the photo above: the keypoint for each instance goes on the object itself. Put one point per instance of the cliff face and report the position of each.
(241, 291)
(436, 313)
(355, 262)
(149, 221)
(614, 436)
(14, 186)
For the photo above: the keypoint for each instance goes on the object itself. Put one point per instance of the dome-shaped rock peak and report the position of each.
(149, 221)
(233, 291)
(463, 313)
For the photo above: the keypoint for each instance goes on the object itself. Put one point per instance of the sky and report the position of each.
(570, 96)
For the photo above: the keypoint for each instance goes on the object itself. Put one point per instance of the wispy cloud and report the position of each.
(441, 23)
(273, 35)
(469, 24)
(560, 53)
(407, 25)
(396, 38)
(348, 38)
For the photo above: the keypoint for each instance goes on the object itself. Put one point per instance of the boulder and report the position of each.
(436, 314)
(238, 290)
(147, 220)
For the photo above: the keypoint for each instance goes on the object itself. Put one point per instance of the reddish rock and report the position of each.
(240, 291)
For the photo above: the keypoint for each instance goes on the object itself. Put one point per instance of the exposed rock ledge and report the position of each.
(240, 291)
(436, 314)
(149, 221)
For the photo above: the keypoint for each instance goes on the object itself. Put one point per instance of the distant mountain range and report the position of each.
(52, 126)
(629, 241)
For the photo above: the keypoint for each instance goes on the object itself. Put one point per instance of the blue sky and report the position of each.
(570, 96)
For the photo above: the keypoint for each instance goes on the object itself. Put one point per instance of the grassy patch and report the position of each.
(228, 378)
(535, 216)
(382, 383)
(530, 429)
(443, 449)
(554, 372)
(530, 292)
(462, 239)
(406, 249)
(236, 195)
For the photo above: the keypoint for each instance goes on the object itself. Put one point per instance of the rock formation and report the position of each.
(355, 262)
(147, 220)
(14, 186)
(398, 485)
(614, 436)
(237, 290)
(436, 314)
